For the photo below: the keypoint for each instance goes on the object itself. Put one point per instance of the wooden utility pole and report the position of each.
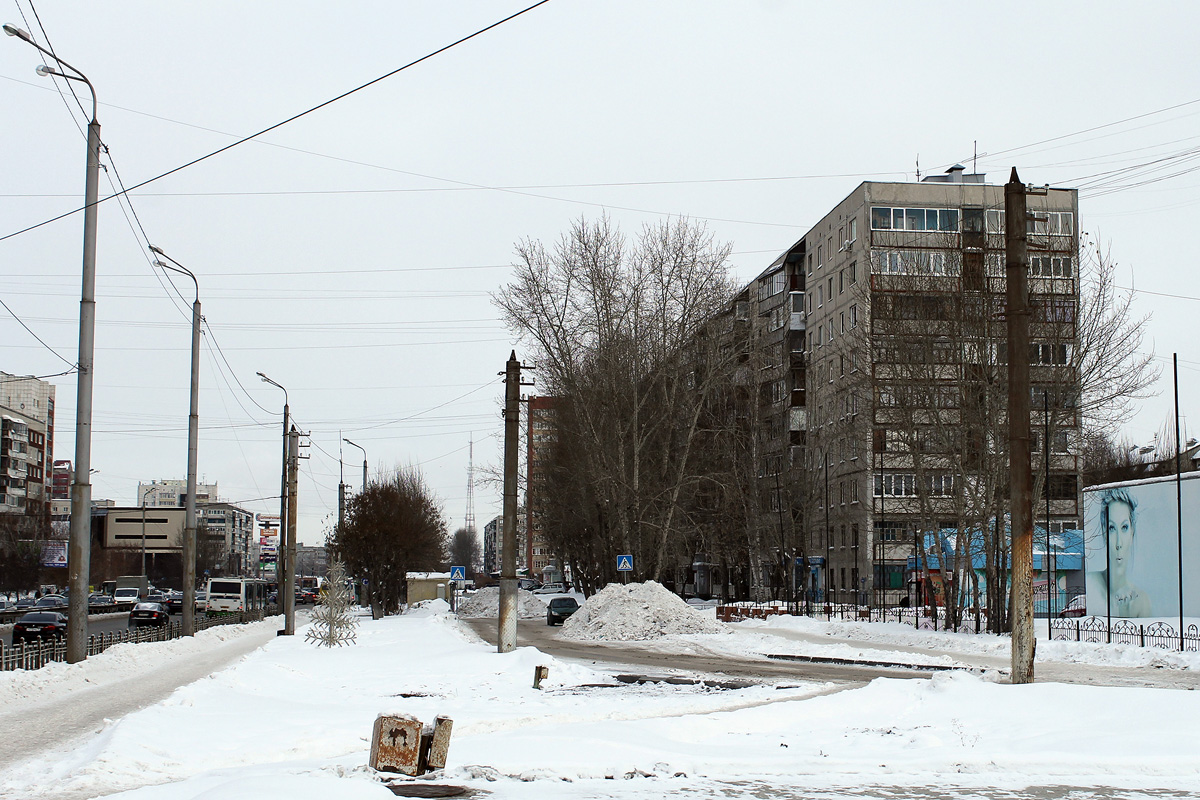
(1020, 474)
(506, 641)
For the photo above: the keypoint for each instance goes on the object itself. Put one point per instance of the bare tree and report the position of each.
(464, 549)
(624, 333)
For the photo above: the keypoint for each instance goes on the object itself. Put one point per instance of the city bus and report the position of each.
(236, 594)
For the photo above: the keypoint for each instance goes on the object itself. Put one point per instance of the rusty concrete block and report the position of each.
(396, 744)
(540, 674)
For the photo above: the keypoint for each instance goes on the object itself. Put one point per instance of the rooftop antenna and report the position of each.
(975, 156)
(470, 521)
(918, 167)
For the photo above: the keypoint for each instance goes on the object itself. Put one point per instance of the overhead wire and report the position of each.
(289, 120)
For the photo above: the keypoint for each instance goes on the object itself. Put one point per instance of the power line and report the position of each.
(287, 121)
(21, 322)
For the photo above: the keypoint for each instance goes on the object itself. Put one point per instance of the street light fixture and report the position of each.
(189, 514)
(364, 452)
(281, 560)
(79, 552)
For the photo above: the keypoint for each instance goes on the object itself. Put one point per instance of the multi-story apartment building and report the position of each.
(26, 444)
(905, 342)
(538, 558)
(493, 543)
(229, 531)
(173, 493)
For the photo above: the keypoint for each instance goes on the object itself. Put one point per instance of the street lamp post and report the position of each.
(281, 548)
(143, 505)
(189, 514)
(79, 552)
(364, 452)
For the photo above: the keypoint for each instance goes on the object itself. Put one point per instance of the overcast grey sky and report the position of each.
(350, 254)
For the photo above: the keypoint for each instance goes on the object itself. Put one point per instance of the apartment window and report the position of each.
(810, 263)
(1043, 266)
(831, 287)
(854, 496)
(854, 316)
(994, 219)
(842, 365)
(854, 229)
(841, 281)
(1052, 223)
(853, 268)
(1062, 487)
(842, 321)
(887, 530)
(914, 219)
(820, 296)
(896, 484)
(808, 299)
(820, 256)
(939, 485)
(1049, 353)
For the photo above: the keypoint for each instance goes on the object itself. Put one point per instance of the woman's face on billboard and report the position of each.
(1120, 534)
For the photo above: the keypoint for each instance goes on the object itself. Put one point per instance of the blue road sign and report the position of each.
(458, 573)
(624, 563)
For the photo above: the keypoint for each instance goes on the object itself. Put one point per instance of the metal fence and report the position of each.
(35, 655)
(1124, 631)
(1089, 629)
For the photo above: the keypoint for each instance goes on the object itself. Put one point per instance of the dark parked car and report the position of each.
(40, 626)
(98, 600)
(558, 609)
(51, 601)
(174, 603)
(149, 614)
(24, 602)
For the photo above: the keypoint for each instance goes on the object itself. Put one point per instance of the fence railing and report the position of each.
(1125, 631)
(35, 655)
(1089, 629)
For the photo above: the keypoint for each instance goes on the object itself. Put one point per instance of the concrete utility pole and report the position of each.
(79, 552)
(280, 554)
(1020, 474)
(507, 636)
(289, 591)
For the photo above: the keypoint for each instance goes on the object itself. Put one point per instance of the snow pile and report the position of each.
(636, 612)
(486, 603)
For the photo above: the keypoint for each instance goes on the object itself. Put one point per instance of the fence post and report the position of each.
(1077, 630)
(1142, 635)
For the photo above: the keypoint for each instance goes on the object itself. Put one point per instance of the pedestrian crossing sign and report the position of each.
(624, 563)
(458, 573)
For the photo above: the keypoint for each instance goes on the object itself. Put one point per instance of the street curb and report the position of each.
(849, 662)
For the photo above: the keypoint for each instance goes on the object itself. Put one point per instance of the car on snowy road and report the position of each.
(551, 588)
(40, 626)
(558, 609)
(149, 614)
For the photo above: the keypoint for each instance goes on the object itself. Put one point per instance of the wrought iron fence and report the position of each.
(1123, 631)
(1089, 629)
(35, 655)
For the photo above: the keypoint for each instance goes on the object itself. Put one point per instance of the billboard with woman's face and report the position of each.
(1131, 541)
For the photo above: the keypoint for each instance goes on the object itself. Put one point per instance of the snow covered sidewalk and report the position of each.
(292, 721)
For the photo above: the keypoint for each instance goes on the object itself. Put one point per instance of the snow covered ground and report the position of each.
(290, 720)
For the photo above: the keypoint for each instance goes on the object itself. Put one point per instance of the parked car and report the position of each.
(1077, 607)
(155, 596)
(5, 605)
(98, 600)
(558, 609)
(126, 599)
(529, 584)
(201, 600)
(51, 601)
(551, 588)
(40, 626)
(148, 613)
(24, 602)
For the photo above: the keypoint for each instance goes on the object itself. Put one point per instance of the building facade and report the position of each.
(906, 350)
(173, 493)
(26, 444)
(541, 437)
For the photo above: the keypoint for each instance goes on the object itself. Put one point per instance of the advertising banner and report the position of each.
(54, 554)
(1132, 551)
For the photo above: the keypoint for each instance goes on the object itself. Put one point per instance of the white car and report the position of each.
(551, 588)
(126, 599)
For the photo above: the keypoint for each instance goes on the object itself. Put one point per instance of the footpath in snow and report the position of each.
(292, 721)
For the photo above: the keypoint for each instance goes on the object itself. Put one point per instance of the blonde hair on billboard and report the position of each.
(1120, 495)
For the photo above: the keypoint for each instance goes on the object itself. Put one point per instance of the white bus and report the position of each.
(236, 594)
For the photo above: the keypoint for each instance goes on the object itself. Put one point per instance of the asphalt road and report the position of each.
(97, 623)
(536, 633)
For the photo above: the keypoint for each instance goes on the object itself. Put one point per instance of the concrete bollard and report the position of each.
(540, 674)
